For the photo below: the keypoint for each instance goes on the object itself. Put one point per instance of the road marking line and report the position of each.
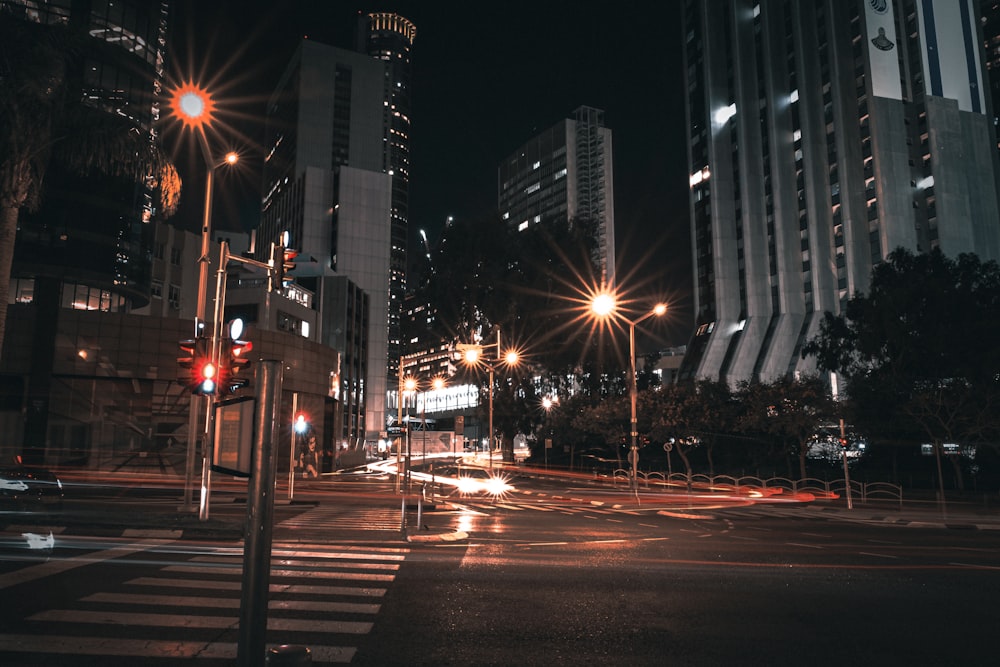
(285, 553)
(149, 648)
(193, 621)
(304, 564)
(807, 546)
(58, 566)
(868, 553)
(282, 573)
(230, 603)
(295, 589)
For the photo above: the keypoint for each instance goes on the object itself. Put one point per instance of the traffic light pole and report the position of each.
(217, 324)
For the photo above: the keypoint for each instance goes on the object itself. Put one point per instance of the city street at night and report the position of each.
(556, 572)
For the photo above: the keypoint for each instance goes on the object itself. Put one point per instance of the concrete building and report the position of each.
(822, 136)
(326, 185)
(562, 174)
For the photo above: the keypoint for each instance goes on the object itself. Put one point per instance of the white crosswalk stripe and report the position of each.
(345, 518)
(323, 596)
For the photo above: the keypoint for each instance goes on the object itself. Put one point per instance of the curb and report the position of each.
(440, 537)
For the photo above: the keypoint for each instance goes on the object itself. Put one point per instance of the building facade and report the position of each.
(325, 184)
(564, 173)
(822, 135)
(389, 38)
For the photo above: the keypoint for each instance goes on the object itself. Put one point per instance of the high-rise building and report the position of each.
(990, 10)
(564, 173)
(326, 186)
(822, 135)
(88, 247)
(389, 38)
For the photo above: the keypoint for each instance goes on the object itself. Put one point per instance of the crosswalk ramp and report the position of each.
(325, 597)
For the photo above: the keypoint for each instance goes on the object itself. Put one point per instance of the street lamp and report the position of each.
(605, 305)
(194, 107)
(472, 354)
(406, 385)
(436, 384)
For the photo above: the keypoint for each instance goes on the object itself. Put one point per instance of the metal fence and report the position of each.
(863, 491)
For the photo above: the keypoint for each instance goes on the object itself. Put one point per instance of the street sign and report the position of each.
(667, 447)
(233, 436)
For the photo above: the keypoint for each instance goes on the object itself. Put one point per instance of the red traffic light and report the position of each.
(197, 371)
(207, 380)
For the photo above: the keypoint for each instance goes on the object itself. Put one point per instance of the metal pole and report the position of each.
(192, 452)
(847, 475)
(634, 450)
(409, 459)
(199, 320)
(291, 452)
(208, 443)
(490, 446)
(260, 519)
(399, 443)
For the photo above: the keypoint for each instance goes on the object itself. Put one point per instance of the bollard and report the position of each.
(288, 655)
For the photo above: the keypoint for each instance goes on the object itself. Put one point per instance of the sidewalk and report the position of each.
(956, 515)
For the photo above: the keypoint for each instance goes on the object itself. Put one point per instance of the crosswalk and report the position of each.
(336, 517)
(187, 607)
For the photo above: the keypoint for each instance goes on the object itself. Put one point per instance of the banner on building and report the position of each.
(883, 49)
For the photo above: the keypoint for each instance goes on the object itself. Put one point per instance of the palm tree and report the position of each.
(44, 120)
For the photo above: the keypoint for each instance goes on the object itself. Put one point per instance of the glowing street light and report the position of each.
(605, 305)
(472, 355)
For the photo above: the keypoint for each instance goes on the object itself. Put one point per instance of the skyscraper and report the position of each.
(822, 136)
(389, 37)
(325, 184)
(564, 173)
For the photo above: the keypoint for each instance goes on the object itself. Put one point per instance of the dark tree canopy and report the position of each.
(919, 352)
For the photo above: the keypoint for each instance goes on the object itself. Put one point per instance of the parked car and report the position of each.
(27, 487)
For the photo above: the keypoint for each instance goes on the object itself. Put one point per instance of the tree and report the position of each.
(919, 352)
(44, 120)
(694, 414)
(790, 410)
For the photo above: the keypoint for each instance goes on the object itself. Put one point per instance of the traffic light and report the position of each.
(301, 424)
(284, 265)
(843, 442)
(234, 356)
(208, 380)
(198, 373)
(186, 363)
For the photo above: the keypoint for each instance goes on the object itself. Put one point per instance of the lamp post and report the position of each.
(436, 384)
(193, 106)
(407, 384)
(605, 305)
(472, 354)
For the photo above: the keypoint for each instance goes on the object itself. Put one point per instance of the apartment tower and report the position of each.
(822, 135)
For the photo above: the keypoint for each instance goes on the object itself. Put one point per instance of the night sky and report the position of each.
(487, 77)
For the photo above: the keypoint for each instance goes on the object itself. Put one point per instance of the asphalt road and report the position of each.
(550, 575)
